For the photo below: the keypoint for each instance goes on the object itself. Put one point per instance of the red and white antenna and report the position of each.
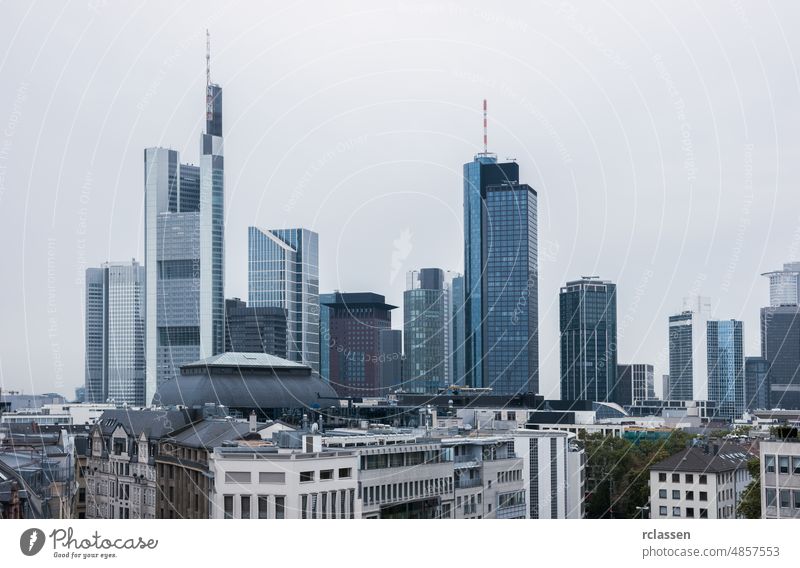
(485, 135)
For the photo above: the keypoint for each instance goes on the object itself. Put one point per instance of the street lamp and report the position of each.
(643, 509)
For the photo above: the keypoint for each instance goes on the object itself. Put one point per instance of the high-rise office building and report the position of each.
(635, 382)
(756, 383)
(325, 335)
(115, 312)
(254, 330)
(687, 350)
(355, 324)
(283, 272)
(665, 389)
(425, 331)
(783, 285)
(725, 340)
(588, 323)
(390, 359)
(780, 346)
(454, 284)
(184, 252)
(482, 172)
(500, 278)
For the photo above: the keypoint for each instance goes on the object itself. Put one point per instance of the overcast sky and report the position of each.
(662, 139)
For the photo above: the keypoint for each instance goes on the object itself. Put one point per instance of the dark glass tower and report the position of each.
(515, 203)
(249, 329)
(780, 346)
(588, 323)
(424, 330)
(756, 383)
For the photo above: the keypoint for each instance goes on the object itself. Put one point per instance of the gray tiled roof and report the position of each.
(153, 423)
(727, 458)
(208, 434)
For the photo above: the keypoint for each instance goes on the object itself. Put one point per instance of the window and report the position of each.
(304, 506)
(676, 494)
(345, 473)
(676, 511)
(263, 507)
(245, 506)
(511, 415)
(690, 512)
(280, 507)
(769, 464)
(662, 493)
(703, 480)
(783, 464)
(662, 511)
(326, 475)
(703, 513)
(690, 495)
(785, 501)
(236, 477)
(676, 478)
(771, 496)
(689, 478)
(796, 499)
(271, 477)
(228, 505)
(662, 477)
(703, 496)
(796, 465)
(306, 476)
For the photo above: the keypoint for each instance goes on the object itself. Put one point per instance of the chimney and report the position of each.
(253, 422)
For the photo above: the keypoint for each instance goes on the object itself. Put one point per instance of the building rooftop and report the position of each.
(210, 433)
(697, 459)
(245, 360)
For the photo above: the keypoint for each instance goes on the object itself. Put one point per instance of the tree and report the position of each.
(750, 505)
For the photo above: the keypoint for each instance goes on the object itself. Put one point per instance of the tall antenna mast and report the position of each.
(209, 102)
(485, 135)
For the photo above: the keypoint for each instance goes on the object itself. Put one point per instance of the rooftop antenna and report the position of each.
(209, 103)
(485, 135)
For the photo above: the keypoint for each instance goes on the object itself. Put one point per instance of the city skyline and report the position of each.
(53, 360)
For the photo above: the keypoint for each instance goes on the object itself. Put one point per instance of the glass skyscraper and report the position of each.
(726, 367)
(425, 331)
(325, 335)
(455, 286)
(756, 383)
(784, 285)
(780, 346)
(635, 382)
(588, 323)
(492, 191)
(688, 350)
(115, 312)
(184, 253)
(283, 272)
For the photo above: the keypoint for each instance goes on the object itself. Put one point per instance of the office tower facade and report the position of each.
(479, 174)
(114, 331)
(355, 324)
(390, 359)
(756, 383)
(254, 330)
(588, 324)
(283, 272)
(780, 346)
(725, 340)
(688, 350)
(783, 285)
(325, 335)
(425, 308)
(665, 388)
(635, 382)
(456, 323)
(184, 252)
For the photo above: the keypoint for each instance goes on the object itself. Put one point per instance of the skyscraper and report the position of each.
(665, 388)
(355, 323)
(115, 361)
(325, 335)
(456, 323)
(254, 330)
(588, 323)
(756, 383)
(687, 350)
(425, 330)
(184, 252)
(726, 367)
(390, 359)
(783, 285)
(482, 172)
(283, 272)
(501, 347)
(780, 346)
(635, 382)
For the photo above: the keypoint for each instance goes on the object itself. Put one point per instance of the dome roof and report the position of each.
(246, 381)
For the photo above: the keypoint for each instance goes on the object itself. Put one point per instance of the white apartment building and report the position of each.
(780, 479)
(699, 483)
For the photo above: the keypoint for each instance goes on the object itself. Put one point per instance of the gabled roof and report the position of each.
(727, 458)
(152, 423)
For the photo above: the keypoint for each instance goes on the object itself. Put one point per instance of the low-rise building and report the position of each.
(780, 479)
(699, 483)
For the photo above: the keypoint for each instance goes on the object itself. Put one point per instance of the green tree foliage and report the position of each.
(750, 505)
(618, 472)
